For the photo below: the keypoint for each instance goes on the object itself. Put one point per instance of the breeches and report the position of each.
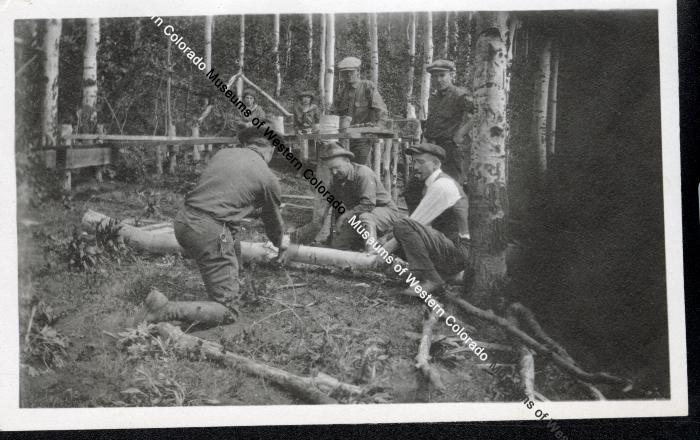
(212, 246)
(383, 218)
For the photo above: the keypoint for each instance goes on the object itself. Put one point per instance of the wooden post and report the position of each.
(377, 156)
(330, 60)
(98, 170)
(196, 148)
(386, 164)
(172, 150)
(66, 129)
(395, 146)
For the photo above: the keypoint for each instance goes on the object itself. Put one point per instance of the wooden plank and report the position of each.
(156, 140)
(87, 157)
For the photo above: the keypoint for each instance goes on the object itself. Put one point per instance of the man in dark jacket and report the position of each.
(236, 182)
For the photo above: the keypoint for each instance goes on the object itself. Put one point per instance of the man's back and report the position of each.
(236, 181)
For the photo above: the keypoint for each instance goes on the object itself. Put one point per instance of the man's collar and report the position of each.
(432, 178)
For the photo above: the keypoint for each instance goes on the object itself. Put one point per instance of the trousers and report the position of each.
(212, 246)
(361, 148)
(429, 252)
(382, 218)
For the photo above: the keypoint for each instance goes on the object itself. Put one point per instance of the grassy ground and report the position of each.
(325, 325)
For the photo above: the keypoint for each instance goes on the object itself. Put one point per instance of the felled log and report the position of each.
(560, 361)
(423, 356)
(312, 389)
(163, 242)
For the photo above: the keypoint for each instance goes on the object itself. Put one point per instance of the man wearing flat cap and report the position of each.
(359, 99)
(449, 110)
(363, 195)
(435, 238)
(235, 183)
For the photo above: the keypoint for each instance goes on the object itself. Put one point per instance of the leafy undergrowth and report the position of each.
(90, 353)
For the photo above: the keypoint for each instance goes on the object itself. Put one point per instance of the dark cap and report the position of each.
(250, 92)
(308, 93)
(251, 135)
(445, 65)
(334, 149)
(433, 149)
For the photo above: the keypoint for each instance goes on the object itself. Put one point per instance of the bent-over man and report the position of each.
(236, 182)
(435, 238)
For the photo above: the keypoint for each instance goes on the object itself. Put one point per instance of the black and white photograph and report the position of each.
(404, 212)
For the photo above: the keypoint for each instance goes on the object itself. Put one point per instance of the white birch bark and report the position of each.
(374, 48)
(330, 59)
(552, 105)
(411, 62)
(208, 28)
(276, 53)
(539, 116)
(49, 116)
(88, 112)
(427, 59)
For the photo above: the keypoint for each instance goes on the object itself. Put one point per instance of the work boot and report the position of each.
(158, 308)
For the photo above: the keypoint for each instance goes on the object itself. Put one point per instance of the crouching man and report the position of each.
(435, 238)
(235, 183)
(363, 194)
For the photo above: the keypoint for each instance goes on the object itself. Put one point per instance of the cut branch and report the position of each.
(311, 389)
(560, 361)
(423, 356)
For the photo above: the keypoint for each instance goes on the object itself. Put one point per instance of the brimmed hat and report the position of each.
(308, 93)
(250, 134)
(349, 63)
(433, 149)
(334, 149)
(250, 92)
(444, 65)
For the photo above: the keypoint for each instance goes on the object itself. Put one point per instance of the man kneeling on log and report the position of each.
(361, 190)
(235, 183)
(435, 238)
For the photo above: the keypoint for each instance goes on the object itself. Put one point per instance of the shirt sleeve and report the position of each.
(367, 193)
(271, 215)
(380, 111)
(440, 195)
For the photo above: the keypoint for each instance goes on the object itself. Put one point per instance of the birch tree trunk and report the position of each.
(411, 62)
(427, 59)
(87, 122)
(288, 46)
(454, 34)
(49, 116)
(373, 48)
(310, 45)
(241, 58)
(552, 105)
(330, 59)
(487, 169)
(322, 64)
(208, 27)
(276, 53)
(446, 45)
(539, 114)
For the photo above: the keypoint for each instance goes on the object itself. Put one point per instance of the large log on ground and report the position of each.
(312, 389)
(163, 242)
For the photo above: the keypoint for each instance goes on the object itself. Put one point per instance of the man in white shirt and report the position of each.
(435, 238)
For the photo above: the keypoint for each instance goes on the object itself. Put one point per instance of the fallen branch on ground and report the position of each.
(526, 361)
(560, 361)
(525, 316)
(423, 356)
(312, 389)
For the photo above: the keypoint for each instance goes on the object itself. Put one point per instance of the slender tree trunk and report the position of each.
(87, 123)
(330, 59)
(411, 62)
(322, 64)
(446, 45)
(208, 27)
(276, 53)
(427, 59)
(539, 117)
(454, 34)
(49, 116)
(241, 57)
(552, 106)
(373, 48)
(288, 46)
(487, 168)
(310, 45)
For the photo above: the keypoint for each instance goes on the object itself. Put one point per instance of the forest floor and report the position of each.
(83, 350)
